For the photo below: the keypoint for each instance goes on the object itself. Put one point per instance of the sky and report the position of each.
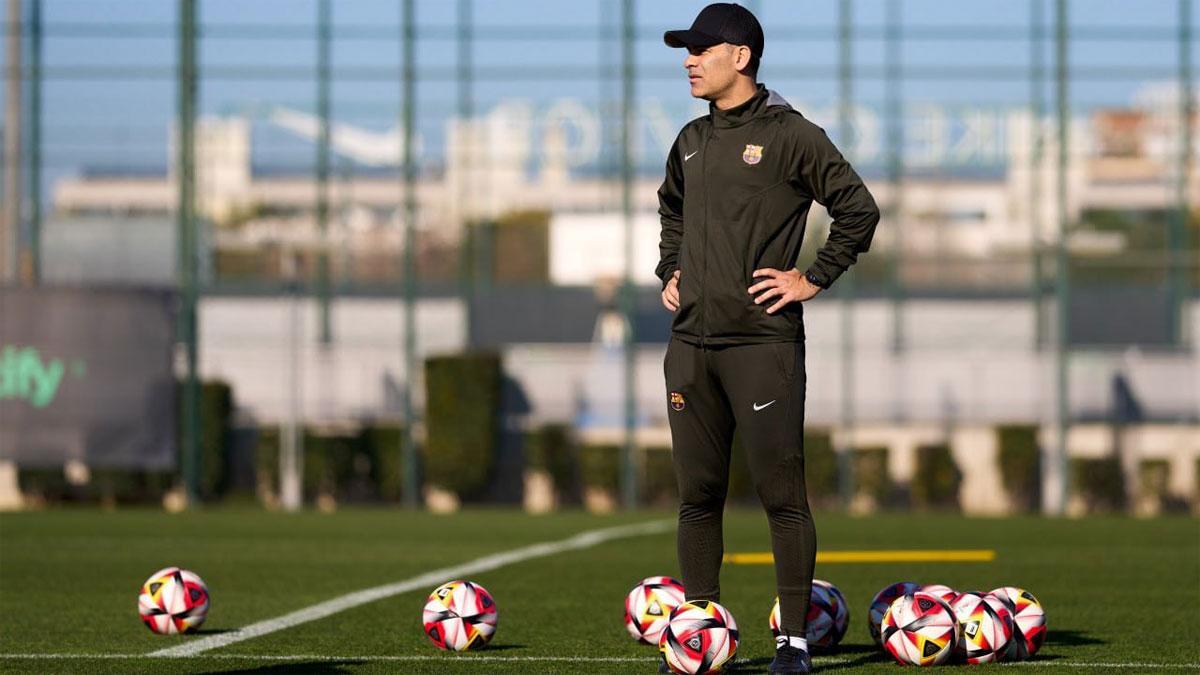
(109, 96)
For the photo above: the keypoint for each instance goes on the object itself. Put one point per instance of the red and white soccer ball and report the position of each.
(828, 616)
(948, 595)
(700, 638)
(920, 629)
(884, 599)
(460, 615)
(986, 627)
(1029, 621)
(649, 605)
(173, 600)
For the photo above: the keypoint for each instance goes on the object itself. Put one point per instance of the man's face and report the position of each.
(711, 70)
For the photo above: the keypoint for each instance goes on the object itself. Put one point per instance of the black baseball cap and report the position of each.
(717, 23)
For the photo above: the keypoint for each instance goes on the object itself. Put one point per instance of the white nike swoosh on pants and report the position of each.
(758, 407)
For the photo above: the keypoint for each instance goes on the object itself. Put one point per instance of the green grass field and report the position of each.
(1117, 591)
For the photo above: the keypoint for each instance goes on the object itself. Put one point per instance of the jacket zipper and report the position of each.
(704, 249)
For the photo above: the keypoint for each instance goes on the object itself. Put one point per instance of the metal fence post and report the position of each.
(1056, 504)
(629, 478)
(846, 287)
(1178, 244)
(1037, 110)
(408, 92)
(186, 164)
(10, 230)
(33, 265)
(322, 187)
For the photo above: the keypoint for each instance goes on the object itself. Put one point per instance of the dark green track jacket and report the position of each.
(736, 197)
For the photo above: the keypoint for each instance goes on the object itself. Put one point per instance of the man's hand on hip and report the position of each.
(670, 294)
(789, 286)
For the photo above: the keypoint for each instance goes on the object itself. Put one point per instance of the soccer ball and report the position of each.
(701, 637)
(460, 615)
(173, 600)
(920, 629)
(649, 605)
(945, 593)
(1029, 621)
(828, 616)
(882, 600)
(986, 626)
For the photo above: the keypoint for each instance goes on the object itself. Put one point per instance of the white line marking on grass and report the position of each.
(425, 581)
(484, 658)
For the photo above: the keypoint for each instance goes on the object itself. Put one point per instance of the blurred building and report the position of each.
(963, 359)
(1121, 159)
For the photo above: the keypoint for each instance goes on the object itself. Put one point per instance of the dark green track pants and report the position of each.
(759, 388)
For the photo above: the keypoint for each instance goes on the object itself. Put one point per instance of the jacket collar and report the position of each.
(739, 115)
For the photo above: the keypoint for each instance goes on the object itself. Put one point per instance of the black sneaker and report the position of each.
(789, 659)
(663, 667)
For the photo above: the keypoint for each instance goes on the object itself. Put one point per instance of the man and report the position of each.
(739, 184)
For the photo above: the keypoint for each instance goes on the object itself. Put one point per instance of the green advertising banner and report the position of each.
(86, 375)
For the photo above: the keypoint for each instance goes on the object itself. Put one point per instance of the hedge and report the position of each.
(1020, 465)
(657, 485)
(820, 471)
(551, 448)
(870, 470)
(1099, 482)
(1153, 475)
(328, 464)
(462, 421)
(380, 443)
(361, 466)
(600, 466)
(935, 478)
(820, 468)
(216, 414)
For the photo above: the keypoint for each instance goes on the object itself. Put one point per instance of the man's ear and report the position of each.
(741, 58)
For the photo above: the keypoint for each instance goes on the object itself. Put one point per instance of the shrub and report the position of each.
(380, 443)
(329, 464)
(359, 466)
(1099, 482)
(936, 478)
(600, 466)
(266, 457)
(462, 418)
(216, 416)
(1152, 478)
(820, 468)
(870, 472)
(658, 485)
(551, 448)
(1154, 492)
(1020, 465)
(215, 423)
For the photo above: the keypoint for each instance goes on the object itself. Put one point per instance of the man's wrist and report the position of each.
(815, 280)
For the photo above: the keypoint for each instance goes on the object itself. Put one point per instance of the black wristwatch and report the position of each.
(812, 279)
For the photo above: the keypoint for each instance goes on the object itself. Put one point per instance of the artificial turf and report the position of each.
(1116, 590)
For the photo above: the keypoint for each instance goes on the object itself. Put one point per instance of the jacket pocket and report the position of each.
(770, 229)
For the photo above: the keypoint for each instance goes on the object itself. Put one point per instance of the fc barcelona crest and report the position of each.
(752, 155)
(676, 401)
